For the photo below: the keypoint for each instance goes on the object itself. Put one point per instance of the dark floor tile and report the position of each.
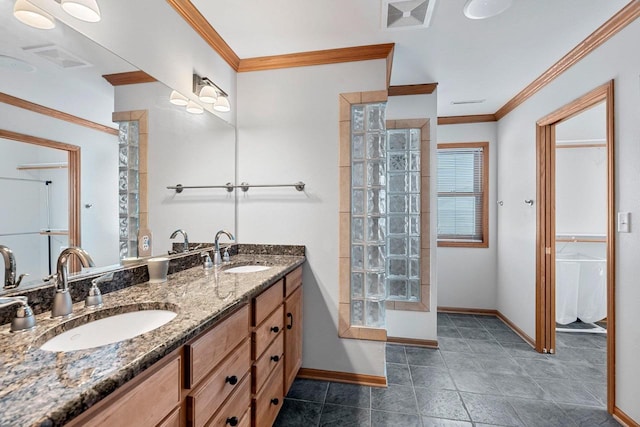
(441, 404)
(593, 356)
(395, 354)
(453, 344)
(581, 340)
(443, 318)
(563, 391)
(441, 422)
(430, 377)
(485, 347)
(540, 413)
(448, 331)
(598, 390)
(505, 336)
(336, 415)
(393, 419)
(491, 322)
(398, 374)
(296, 413)
(490, 409)
(311, 390)
(550, 368)
(465, 321)
(394, 398)
(424, 357)
(522, 350)
(475, 382)
(585, 371)
(518, 386)
(475, 333)
(461, 361)
(499, 364)
(585, 416)
(349, 395)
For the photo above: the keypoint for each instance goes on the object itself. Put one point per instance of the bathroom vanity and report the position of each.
(227, 358)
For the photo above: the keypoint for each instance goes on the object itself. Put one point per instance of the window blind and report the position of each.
(460, 194)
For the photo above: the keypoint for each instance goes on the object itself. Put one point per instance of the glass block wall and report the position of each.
(128, 188)
(368, 215)
(403, 214)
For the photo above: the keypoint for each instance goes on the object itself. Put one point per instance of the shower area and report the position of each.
(581, 223)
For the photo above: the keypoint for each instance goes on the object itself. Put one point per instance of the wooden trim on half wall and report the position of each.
(460, 120)
(413, 341)
(342, 377)
(56, 114)
(617, 22)
(317, 57)
(128, 78)
(199, 23)
(421, 89)
(623, 418)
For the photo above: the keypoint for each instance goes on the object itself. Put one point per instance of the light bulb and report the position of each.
(222, 104)
(33, 16)
(194, 108)
(208, 94)
(84, 10)
(177, 98)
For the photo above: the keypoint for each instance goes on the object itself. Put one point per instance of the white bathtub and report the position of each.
(581, 288)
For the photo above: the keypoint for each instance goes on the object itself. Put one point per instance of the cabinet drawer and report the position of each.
(172, 420)
(205, 400)
(266, 302)
(267, 332)
(148, 403)
(292, 281)
(268, 362)
(203, 354)
(235, 408)
(268, 402)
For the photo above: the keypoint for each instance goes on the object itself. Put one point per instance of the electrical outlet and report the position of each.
(624, 222)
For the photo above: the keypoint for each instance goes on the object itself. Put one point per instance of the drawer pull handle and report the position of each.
(275, 401)
(233, 380)
(275, 358)
(275, 329)
(233, 421)
(290, 316)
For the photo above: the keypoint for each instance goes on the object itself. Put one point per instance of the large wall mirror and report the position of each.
(62, 70)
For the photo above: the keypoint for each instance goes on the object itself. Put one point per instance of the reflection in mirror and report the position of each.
(44, 73)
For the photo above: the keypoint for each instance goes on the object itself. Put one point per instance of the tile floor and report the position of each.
(482, 375)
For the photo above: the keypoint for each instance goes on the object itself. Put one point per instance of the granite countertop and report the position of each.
(38, 387)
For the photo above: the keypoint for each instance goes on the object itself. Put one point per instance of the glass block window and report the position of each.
(368, 215)
(128, 188)
(403, 215)
(463, 194)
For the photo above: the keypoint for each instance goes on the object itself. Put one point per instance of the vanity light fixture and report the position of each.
(176, 98)
(483, 9)
(84, 10)
(31, 15)
(211, 93)
(194, 108)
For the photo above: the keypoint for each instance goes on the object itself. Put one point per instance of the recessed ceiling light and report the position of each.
(483, 9)
(470, 101)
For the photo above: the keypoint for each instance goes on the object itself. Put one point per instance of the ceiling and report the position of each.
(491, 59)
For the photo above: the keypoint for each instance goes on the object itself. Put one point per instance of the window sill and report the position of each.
(462, 244)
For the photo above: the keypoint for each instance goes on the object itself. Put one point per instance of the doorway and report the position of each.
(558, 285)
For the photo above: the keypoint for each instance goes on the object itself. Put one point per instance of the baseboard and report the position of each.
(489, 312)
(413, 341)
(623, 418)
(342, 377)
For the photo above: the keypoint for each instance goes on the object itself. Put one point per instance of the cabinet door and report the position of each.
(292, 337)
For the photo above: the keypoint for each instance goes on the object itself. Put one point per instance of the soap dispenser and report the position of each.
(208, 264)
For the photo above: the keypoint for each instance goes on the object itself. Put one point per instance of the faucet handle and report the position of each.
(25, 320)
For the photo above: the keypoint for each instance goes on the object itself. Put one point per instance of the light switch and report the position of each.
(624, 222)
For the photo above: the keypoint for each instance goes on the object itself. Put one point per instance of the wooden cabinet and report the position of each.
(292, 337)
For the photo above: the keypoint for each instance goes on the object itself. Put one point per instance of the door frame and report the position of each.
(545, 225)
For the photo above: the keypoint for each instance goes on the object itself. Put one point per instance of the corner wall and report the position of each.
(288, 131)
(475, 285)
(617, 60)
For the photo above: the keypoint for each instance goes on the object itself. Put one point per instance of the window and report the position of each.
(463, 194)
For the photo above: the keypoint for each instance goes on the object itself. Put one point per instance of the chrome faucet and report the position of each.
(216, 255)
(10, 269)
(24, 320)
(185, 247)
(62, 304)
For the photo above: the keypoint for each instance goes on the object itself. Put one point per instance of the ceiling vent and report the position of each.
(58, 56)
(397, 15)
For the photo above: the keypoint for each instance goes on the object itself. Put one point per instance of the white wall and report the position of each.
(187, 149)
(414, 324)
(475, 285)
(517, 181)
(288, 131)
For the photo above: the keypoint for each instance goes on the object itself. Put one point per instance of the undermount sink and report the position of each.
(246, 269)
(108, 330)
